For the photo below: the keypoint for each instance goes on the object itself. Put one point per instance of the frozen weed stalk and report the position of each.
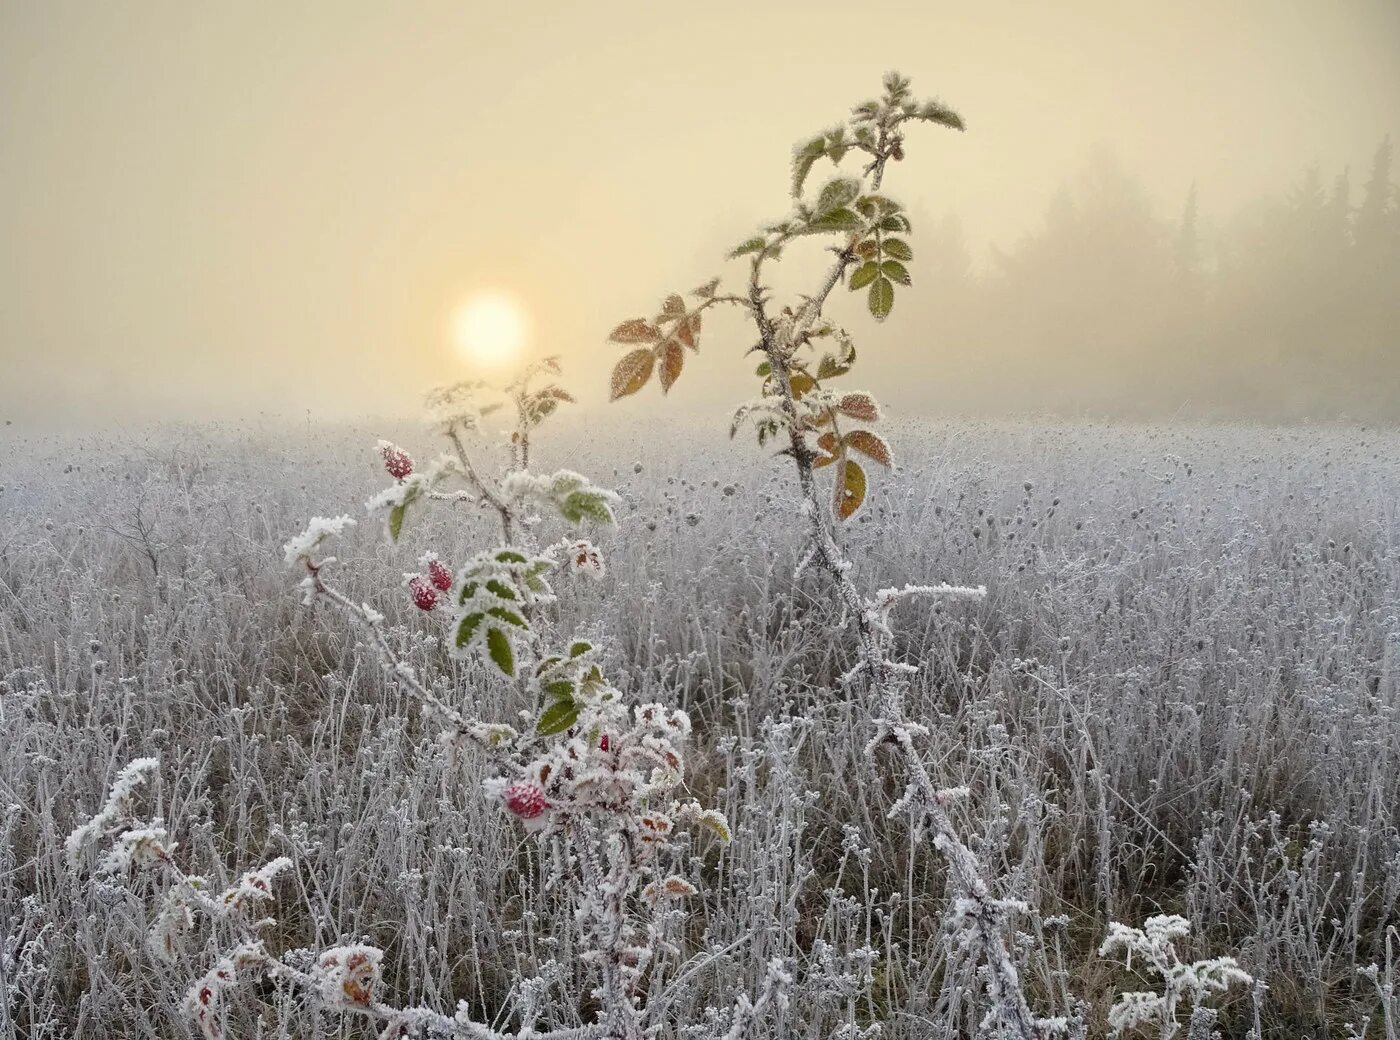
(1153, 946)
(594, 781)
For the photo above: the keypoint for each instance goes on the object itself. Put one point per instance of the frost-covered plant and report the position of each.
(598, 783)
(1153, 946)
(803, 351)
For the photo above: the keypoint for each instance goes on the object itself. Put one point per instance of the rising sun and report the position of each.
(489, 329)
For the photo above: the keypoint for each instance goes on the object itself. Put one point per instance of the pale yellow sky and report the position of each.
(213, 209)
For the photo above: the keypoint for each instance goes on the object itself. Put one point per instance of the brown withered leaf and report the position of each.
(672, 361)
(860, 406)
(871, 444)
(637, 330)
(632, 372)
(850, 489)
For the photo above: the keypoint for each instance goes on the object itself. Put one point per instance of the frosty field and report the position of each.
(1180, 695)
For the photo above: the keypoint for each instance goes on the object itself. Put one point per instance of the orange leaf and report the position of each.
(859, 406)
(671, 364)
(871, 444)
(801, 382)
(688, 331)
(672, 306)
(828, 444)
(632, 373)
(638, 330)
(850, 489)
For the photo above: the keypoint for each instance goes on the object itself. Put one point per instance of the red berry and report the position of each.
(603, 744)
(525, 799)
(440, 575)
(397, 461)
(424, 595)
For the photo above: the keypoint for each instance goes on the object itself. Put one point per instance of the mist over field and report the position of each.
(752, 522)
(1183, 210)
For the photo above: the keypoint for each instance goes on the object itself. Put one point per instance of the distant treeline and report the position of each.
(1287, 309)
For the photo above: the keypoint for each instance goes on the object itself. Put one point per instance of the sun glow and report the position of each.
(489, 329)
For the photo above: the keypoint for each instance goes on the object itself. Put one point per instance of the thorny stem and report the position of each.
(876, 676)
(622, 1019)
(393, 665)
(486, 491)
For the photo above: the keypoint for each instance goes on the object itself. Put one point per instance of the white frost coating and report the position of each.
(1154, 946)
(571, 494)
(299, 550)
(116, 809)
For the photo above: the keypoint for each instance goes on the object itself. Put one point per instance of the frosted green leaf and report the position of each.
(753, 245)
(864, 275)
(840, 219)
(895, 271)
(501, 589)
(558, 717)
(466, 628)
(498, 647)
(559, 688)
(507, 615)
(881, 298)
(840, 192)
(581, 504)
(898, 249)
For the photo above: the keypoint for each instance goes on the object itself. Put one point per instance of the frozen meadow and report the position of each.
(1181, 695)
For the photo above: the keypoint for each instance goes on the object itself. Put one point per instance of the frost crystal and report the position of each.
(299, 551)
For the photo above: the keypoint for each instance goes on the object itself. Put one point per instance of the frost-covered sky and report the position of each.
(251, 206)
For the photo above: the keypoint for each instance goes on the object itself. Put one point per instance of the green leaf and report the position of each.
(897, 222)
(507, 615)
(937, 112)
(396, 520)
(881, 298)
(509, 556)
(558, 717)
(840, 192)
(802, 159)
(706, 291)
(764, 369)
(840, 219)
(466, 628)
(895, 271)
(502, 656)
(501, 589)
(865, 274)
(898, 249)
(559, 688)
(588, 504)
(830, 368)
(579, 648)
(753, 245)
